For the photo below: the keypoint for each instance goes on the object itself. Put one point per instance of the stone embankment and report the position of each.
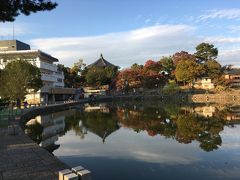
(221, 98)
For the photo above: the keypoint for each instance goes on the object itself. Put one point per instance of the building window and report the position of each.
(59, 80)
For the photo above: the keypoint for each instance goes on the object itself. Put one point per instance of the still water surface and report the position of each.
(144, 141)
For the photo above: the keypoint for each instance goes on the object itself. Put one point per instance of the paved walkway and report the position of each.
(21, 158)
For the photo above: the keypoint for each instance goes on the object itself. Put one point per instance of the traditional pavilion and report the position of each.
(101, 62)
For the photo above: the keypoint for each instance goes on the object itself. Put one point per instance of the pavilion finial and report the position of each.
(101, 55)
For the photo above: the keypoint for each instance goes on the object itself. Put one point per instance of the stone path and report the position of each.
(21, 158)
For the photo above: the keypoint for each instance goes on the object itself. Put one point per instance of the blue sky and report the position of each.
(129, 31)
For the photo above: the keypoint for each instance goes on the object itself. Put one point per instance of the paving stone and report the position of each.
(71, 176)
(84, 174)
(22, 159)
(1, 178)
(64, 172)
(78, 168)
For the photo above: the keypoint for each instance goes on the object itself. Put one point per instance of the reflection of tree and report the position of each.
(72, 123)
(167, 120)
(153, 120)
(34, 131)
(102, 124)
(172, 110)
(172, 123)
(204, 130)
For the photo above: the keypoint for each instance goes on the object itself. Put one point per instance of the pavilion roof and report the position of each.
(101, 62)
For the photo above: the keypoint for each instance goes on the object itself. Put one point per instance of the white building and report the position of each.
(204, 83)
(53, 80)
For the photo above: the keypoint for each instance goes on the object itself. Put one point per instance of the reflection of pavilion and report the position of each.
(100, 121)
(104, 133)
(100, 129)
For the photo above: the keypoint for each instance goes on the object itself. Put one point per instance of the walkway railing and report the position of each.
(9, 114)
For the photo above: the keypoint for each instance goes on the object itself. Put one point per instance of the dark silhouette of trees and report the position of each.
(10, 9)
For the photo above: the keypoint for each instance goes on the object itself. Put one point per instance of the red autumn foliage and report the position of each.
(149, 76)
(130, 78)
(152, 65)
(183, 55)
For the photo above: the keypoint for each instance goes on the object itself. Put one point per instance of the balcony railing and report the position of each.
(48, 77)
(48, 66)
(58, 84)
(59, 74)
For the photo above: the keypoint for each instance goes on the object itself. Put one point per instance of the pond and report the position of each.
(144, 140)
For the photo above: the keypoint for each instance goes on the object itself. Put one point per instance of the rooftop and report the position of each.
(101, 62)
(27, 53)
(235, 71)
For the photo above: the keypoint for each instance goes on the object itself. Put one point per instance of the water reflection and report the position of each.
(184, 124)
(145, 140)
(45, 129)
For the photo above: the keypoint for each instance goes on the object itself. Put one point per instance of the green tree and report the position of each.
(68, 81)
(136, 66)
(213, 69)
(171, 88)
(167, 63)
(97, 76)
(72, 77)
(79, 66)
(18, 78)
(10, 9)
(188, 70)
(206, 52)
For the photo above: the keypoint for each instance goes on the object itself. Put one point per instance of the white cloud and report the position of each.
(228, 49)
(221, 14)
(122, 48)
(229, 56)
(137, 46)
(167, 151)
(231, 138)
(222, 39)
